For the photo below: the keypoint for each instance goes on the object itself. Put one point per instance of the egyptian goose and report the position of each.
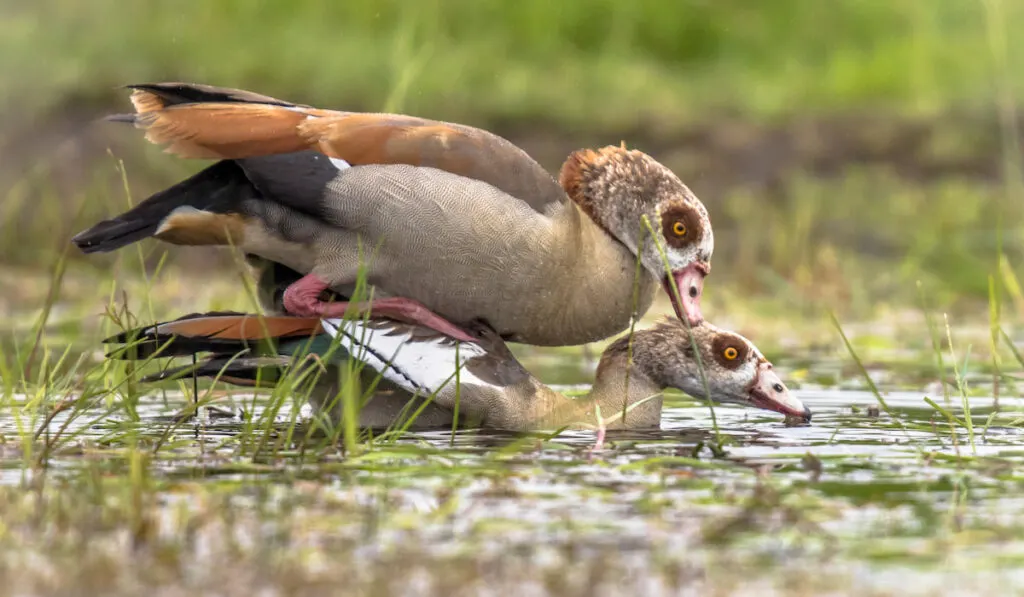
(412, 363)
(453, 224)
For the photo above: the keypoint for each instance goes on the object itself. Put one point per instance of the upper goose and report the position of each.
(413, 364)
(453, 223)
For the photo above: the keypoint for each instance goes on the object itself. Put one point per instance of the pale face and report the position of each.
(688, 241)
(735, 371)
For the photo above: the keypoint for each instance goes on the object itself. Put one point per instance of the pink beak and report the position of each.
(768, 392)
(690, 282)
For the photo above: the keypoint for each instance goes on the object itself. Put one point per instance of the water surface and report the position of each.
(861, 500)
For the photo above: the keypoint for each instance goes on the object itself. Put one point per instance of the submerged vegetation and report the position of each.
(860, 160)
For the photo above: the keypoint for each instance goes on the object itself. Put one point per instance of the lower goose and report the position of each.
(414, 367)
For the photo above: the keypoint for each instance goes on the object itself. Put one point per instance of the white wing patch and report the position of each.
(339, 163)
(423, 366)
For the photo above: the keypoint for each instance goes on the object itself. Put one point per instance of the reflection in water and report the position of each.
(644, 489)
(842, 425)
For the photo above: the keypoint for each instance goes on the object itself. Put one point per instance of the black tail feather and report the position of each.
(232, 361)
(128, 335)
(176, 94)
(147, 342)
(167, 346)
(216, 188)
(243, 371)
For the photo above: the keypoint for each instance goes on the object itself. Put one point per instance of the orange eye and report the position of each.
(730, 353)
(679, 229)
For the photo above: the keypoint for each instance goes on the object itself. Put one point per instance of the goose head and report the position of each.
(735, 370)
(617, 187)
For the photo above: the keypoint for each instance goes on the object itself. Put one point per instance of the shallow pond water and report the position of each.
(862, 500)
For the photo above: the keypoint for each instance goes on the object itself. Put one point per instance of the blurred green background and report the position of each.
(852, 153)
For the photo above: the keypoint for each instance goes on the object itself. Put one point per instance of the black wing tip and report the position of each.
(145, 342)
(88, 248)
(87, 244)
(125, 336)
(164, 376)
(170, 346)
(176, 93)
(158, 87)
(126, 118)
(141, 332)
(112, 235)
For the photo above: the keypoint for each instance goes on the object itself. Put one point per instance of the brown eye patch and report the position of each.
(729, 351)
(681, 225)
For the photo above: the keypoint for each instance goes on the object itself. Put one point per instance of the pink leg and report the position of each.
(302, 298)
